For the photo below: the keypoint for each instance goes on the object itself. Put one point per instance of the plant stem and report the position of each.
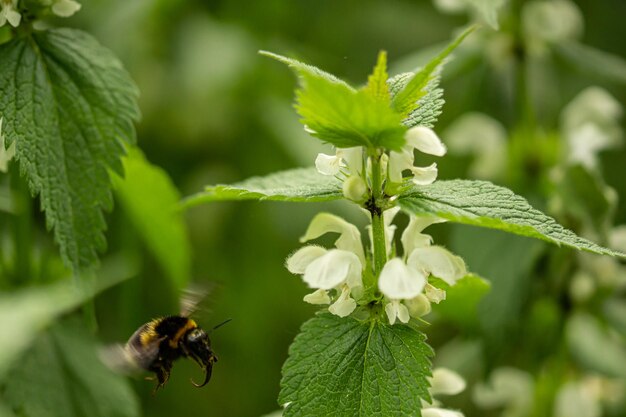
(375, 208)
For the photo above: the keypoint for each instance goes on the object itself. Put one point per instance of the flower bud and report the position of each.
(354, 188)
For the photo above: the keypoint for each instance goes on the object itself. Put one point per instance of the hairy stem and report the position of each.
(375, 208)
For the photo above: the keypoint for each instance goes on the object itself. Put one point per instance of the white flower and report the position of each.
(335, 269)
(443, 382)
(397, 282)
(424, 140)
(510, 388)
(439, 262)
(412, 236)
(65, 8)
(349, 235)
(574, 400)
(5, 154)
(352, 158)
(9, 13)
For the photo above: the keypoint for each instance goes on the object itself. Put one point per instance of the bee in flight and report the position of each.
(157, 344)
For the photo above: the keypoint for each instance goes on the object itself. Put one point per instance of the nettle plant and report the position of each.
(363, 353)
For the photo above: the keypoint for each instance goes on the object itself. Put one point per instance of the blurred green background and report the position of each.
(214, 111)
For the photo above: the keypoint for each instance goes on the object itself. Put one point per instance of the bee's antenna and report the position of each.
(221, 324)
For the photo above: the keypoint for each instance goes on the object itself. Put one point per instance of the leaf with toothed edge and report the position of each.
(297, 185)
(68, 105)
(481, 203)
(346, 367)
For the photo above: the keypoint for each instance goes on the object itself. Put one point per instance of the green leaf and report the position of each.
(462, 299)
(345, 367)
(377, 82)
(302, 68)
(338, 114)
(407, 99)
(62, 376)
(151, 200)
(481, 203)
(592, 61)
(25, 313)
(68, 105)
(299, 185)
(428, 107)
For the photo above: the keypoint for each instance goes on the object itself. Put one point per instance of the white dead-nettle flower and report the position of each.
(404, 281)
(443, 382)
(508, 388)
(9, 13)
(337, 269)
(65, 8)
(424, 140)
(351, 158)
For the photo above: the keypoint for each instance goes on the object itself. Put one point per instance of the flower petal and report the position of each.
(398, 281)
(440, 412)
(434, 294)
(331, 269)
(413, 238)
(353, 158)
(447, 382)
(439, 262)
(395, 309)
(424, 176)
(418, 306)
(349, 239)
(317, 297)
(398, 162)
(298, 261)
(344, 304)
(327, 164)
(425, 140)
(65, 8)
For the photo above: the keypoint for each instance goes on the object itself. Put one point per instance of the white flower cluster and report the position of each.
(403, 281)
(10, 12)
(350, 163)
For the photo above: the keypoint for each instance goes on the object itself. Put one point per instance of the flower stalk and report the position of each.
(375, 207)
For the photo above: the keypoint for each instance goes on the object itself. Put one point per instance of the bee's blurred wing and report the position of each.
(191, 298)
(119, 359)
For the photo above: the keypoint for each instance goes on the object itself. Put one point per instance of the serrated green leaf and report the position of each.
(377, 82)
(338, 114)
(62, 376)
(302, 68)
(592, 61)
(462, 299)
(68, 105)
(151, 200)
(345, 367)
(428, 107)
(299, 185)
(406, 100)
(481, 203)
(25, 313)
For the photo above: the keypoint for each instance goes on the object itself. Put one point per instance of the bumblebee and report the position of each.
(157, 344)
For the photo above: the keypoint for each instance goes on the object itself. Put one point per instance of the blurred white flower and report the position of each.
(65, 8)
(9, 13)
(590, 123)
(508, 388)
(424, 140)
(551, 21)
(443, 382)
(574, 400)
(482, 137)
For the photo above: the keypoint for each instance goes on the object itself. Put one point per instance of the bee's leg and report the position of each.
(162, 372)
